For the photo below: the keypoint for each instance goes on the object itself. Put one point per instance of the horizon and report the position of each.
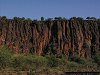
(35, 9)
(54, 18)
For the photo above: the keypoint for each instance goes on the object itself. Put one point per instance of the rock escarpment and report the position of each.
(57, 37)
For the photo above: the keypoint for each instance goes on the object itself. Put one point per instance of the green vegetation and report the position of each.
(21, 62)
(5, 57)
(78, 60)
(56, 18)
(97, 59)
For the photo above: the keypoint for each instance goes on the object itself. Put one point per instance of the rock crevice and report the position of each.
(57, 37)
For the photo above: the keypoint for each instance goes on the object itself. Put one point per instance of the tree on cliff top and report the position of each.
(42, 18)
(91, 18)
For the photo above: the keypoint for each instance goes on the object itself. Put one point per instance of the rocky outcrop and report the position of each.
(57, 37)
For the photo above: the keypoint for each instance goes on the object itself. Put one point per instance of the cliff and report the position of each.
(53, 37)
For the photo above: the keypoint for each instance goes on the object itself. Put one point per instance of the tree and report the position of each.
(0, 17)
(98, 19)
(15, 18)
(58, 18)
(49, 19)
(23, 18)
(88, 18)
(93, 18)
(29, 19)
(73, 18)
(42, 18)
(4, 17)
(64, 18)
(79, 18)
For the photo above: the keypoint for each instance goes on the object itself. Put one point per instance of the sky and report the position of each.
(50, 8)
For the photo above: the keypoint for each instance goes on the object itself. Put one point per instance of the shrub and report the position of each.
(52, 61)
(39, 61)
(78, 60)
(20, 63)
(72, 64)
(34, 62)
(97, 59)
(29, 62)
(5, 57)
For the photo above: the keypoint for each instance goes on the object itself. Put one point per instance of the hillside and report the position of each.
(49, 47)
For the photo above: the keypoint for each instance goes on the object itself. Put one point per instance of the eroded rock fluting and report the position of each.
(57, 37)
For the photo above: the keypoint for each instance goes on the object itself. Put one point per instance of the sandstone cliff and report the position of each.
(57, 37)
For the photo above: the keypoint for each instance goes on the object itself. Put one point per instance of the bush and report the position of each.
(20, 63)
(5, 57)
(29, 62)
(39, 61)
(78, 60)
(72, 64)
(52, 61)
(97, 59)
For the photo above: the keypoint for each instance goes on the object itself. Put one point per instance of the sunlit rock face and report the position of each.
(54, 37)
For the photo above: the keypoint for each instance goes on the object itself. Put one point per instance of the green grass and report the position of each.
(32, 62)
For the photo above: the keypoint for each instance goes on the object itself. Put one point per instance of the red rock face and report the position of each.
(57, 37)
